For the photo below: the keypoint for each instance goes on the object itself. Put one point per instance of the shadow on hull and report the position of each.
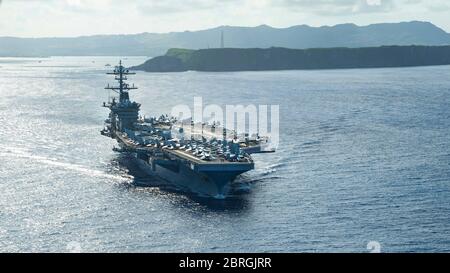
(236, 200)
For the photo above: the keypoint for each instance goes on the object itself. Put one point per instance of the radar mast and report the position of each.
(121, 74)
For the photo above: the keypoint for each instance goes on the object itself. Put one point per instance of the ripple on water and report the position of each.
(364, 156)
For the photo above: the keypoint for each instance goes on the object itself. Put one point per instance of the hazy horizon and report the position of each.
(73, 18)
(190, 30)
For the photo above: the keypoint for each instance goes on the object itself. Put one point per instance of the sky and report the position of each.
(67, 18)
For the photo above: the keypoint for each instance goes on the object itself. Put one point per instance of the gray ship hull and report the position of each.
(214, 184)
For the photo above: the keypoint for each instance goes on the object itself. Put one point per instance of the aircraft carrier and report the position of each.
(200, 158)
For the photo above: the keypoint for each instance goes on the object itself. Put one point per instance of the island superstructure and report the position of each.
(205, 161)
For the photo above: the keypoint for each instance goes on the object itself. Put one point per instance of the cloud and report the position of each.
(171, 6)
(369, 6)
(318, 7)
(342, 7)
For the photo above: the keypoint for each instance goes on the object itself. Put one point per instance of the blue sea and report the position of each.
(363, 163)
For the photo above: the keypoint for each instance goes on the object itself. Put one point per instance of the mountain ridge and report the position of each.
(262, 36)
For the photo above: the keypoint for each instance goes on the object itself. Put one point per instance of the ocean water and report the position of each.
(364, 160)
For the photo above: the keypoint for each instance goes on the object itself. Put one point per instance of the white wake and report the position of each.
(63, 165)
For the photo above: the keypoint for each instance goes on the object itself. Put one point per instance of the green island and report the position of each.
(277, 58)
